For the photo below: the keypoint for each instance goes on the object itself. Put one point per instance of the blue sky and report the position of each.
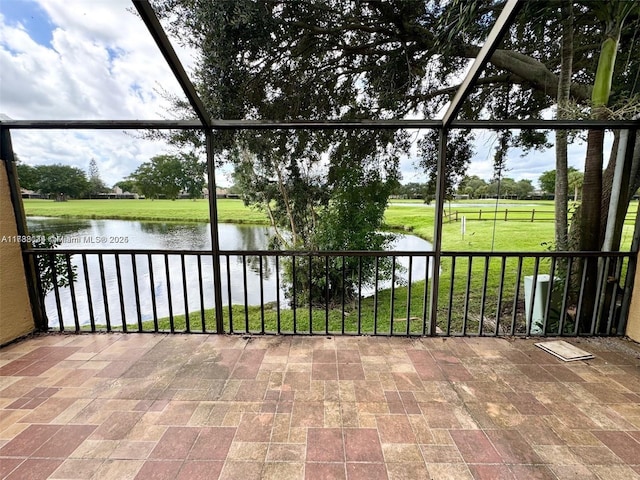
(79, 59)
(31, 16)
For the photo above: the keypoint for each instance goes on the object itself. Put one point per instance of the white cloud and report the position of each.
(102, 63)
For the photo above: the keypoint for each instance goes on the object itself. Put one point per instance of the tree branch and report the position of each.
(531, 71)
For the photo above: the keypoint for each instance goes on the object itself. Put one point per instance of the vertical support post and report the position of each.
(615, 221)
(215, 240)
(437, 229)
(8, 160)
(629, 286)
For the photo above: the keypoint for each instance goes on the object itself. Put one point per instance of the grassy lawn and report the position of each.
(229, 211)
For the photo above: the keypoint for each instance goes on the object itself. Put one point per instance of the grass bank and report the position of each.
(229, 211)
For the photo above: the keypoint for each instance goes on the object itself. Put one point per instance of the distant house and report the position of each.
(31, 194)
(117, 193)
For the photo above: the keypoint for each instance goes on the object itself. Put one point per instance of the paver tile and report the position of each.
(206, 407)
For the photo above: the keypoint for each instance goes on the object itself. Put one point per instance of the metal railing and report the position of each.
(337, 293)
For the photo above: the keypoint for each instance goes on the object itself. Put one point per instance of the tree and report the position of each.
(193, 171)
(547, 181)
(564, 96)
(168, 175)
(62, 179)
(523, 188)
(96, 185)
(472, 186)
(352, 220)
(613, 16)
(127, 185)
(146, 180)
(411, 190)
(308, 203)
(459, 153)
(575, 180)
(27, 176)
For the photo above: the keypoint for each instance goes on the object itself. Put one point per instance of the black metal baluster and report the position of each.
(583, 282)
(425, 297)
(534, 284)
(310, 295)
(203, 317)
(123, 318)
(465, 318)
(136, 290)
(451, 290)
(483, 301)
(56, 290)
(230, 296)
(516, 297)
(172, 326)
(38, 261)
(187, 323)
(105, 297)
(393, 293)
(614, 294)
(246, 301)
(409, 294)
(152, 287)
(375, 297)
(550, 287)
(565, 297)
(601, 285)
(72, 291)
(326, 294)
(293, 300)
(343, 289)
(278, 326)
(503, 267)
(360, 295)
(261, 296)
(87, 286)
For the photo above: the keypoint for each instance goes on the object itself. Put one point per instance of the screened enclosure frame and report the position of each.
(208, 125)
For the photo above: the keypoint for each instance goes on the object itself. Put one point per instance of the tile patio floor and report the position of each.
(113, 406)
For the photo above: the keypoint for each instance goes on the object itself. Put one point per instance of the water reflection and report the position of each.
(160, 282)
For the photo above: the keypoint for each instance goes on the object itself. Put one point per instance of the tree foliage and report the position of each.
(127, 185)
(169, 175)
(96, 185)
(316, 204)
(411, 190)
(28, 176)
(61, 179)
(458, 156)
(547, 180)
(472, 186)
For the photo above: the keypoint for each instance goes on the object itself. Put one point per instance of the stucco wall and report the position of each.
(16, 318)
(633, 323)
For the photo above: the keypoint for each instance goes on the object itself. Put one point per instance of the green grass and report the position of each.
(229, 211)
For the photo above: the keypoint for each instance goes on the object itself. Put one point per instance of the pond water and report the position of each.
(168, 282)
